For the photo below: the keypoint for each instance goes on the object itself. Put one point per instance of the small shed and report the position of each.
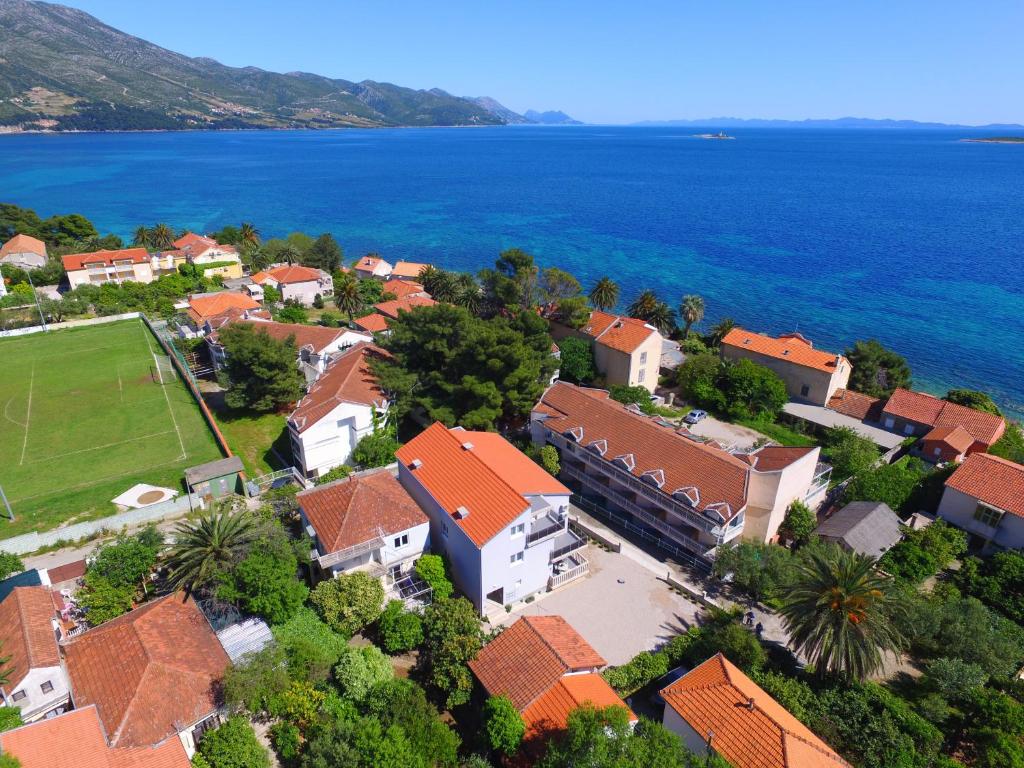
(865, 527)
(216, 478)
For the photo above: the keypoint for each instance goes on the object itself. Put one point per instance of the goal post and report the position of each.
(163, 369)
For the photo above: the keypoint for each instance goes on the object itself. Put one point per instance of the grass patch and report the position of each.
(779, 433)
(82, 419)
(253, 436)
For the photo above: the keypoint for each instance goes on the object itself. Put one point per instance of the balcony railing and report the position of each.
(822, 478)
(545, 527)
(558, 579)
(567, 543)
(333, 558)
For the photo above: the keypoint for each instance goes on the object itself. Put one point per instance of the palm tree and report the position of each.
(721, 330)
(643, 304)
(249, 234)
(346, 296)
(289, 253)
(256, 258)
(161, 236)
(467, 292)
(204, 549)
(649, 308)
(841, 613)
(691, 310)
(142, 237)
(444, 286)
(605, 293)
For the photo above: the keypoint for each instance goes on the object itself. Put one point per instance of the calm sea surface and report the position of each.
(914, 238)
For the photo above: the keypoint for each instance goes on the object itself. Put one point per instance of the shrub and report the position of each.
(433, 570)
(233, 745)
(265, 583)
(452, 636)
(10, 564)
(637, 672)
(102, 601)
(10, 717)
(400, 630)
(793, 694)
(318, 301)
(299, 704)
(360, 669)
(311, 647)
(848, 452)
(752, 390)
(402, 703)
(338, 473)
(349, 602)
(954, 679)
(549, 460)
(576, 360)
(925, 552)
(256, 680)
(503, 725)
(892, 483)
(799, 523)
(286, 741)
(376, 449)
(635, 395)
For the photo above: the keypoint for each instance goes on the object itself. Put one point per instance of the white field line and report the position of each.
(7, 415)
(167, 399)
(101, 447)
(28, 412)
(97, 481)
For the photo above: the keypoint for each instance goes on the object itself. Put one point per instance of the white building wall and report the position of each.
(516, 580)
(958, 509)
(329, 442)
(304, 293)
(770, 493)
(36, 703)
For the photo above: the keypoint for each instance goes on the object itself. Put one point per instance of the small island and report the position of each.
(998, 140)
(719, 135)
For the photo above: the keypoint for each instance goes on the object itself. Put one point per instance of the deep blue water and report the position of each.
(909, 236)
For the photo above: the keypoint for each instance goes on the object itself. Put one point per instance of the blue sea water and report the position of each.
(911, 237)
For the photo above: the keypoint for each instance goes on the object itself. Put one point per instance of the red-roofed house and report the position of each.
(372, 267)
(99, 267)
(718, 708)
(337, 412)
(546, 668)
(377, 322)
(203, 307)
(916, 413)
(407, 270)
(626, 350)
(405, 289)
(499, 517)
(152, 674)
(203, 251)
(302, 284)
(36, 683)
(24, 251)
(367, 522)
(985, 497)
(811, 375)
(76, 740)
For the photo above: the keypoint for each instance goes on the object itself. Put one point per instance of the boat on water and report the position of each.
(719, 135)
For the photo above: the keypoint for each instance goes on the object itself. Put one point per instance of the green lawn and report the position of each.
(251, 437)
(82, 420)
(779, 433)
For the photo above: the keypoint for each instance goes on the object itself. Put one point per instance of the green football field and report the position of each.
(83, 418)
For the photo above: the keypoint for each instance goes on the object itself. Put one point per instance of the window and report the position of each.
(518, 530)
(938, 451)
(18, 696)
(46, 687)
(985, 515)
(889, 423)
(805, 391)
(643, 358)
(401, 541)
(444, 529)
(516, 559)
(640, 375)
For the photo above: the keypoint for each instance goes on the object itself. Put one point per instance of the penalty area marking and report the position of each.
(28, 412)
(101, 447)
(170, 410)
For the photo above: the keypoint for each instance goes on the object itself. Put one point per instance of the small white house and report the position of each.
(339, 410)
(301, 284)
(29, 629)
(501, 519)
(373, 267)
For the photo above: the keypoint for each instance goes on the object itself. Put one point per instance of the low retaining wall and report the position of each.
(70, 324)
(612, 544)
(686, 589)
(165, 510)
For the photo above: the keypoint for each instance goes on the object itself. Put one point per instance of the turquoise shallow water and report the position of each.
(912, 236)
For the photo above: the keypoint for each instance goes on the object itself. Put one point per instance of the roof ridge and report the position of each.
(546, 643)
(830, 753)
(23, 621)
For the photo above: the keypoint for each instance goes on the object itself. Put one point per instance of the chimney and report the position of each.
(750, 704)
(461, 513)
(415, 464)
(467, 446)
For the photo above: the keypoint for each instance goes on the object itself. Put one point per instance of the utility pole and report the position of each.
(35, 296)
(10, 512)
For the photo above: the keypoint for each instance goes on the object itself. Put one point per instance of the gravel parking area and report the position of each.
(621, 608)
(725, 433)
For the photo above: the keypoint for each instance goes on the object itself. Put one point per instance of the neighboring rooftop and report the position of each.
(313, 337)
(23, 244)
(76, 261)
(957, 438)
(391, 309)
(288, 274)
(358, 509)
(348, 379)
(772, 458)
(370, 263)
(374, 322)
(751, 729)
(921, 408)
(194, 244)
(211, 469)
(403, 289)
(791, 347)
(866, 527)
(995, 481)
(617, 332)
(408, 269)
(857, 405)
(26, 632)
(210, 305)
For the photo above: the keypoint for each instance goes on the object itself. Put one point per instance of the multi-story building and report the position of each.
(627, 351)
(205, 251)
(501, 520)
(36, 682)
(301, 284)
(408, 270)
(372, 266)
(101, 267)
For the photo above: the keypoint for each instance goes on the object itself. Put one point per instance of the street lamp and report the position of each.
(10, 512)
(35, 296)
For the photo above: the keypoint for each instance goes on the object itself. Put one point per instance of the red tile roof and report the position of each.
(549, 713)
(392, 308)
(202, 307)
(408, 269)
(618, 332)
(315, 337)
(369, 263)
(358, 509)
(490, 481)
(751, 729)
(957, 438)
(75, 740)
(197, 245)
(66, 572)
(791, 347)
(288, 274)
(993, 480)
(532, 655)
(404, 289)
(856, 405)
(26, 632)
(23, 244)
(920, 408)
(76, 261)
(373, 322)
(235, 313)
(149, 672)
(684, 464)
(348, 379)
(772, 458)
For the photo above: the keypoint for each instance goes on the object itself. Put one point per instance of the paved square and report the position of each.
(618, 619)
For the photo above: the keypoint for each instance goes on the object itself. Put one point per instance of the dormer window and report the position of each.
(626, 461)
(576, 433)
(720, 511)
(655, 477)
(690, 495)
(599, 446)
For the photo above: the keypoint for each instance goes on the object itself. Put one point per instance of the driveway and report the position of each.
(725, 433)
(621, 608)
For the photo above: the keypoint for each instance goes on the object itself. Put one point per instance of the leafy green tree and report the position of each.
(265, 582)
(440, 284)
(576, 360)
(972, 398)
(233, 745)
(452, 637)
(998, 750)
(557, 284)
(10, 564)
(360, 669)
(1011, 445)
(10, 717)
(300, 703)
(892, 483)
(998, 581)
(549, 460)
(102, 600)
(839, 612)
(349, 602)
(752, 390)
(260, 371)
(291, 313)
(400, 630)
(271, 295)
(324, 253)
(691, 310)
(877, 371)
(310, 646)
(376, 449)
(923, 553)
(361, 742)
(791, 692)
(287, 742)
(605, 294)
(433, 570)
(720, 330)
(848, 452)
(760, 570)
(403, 704)
(963, 628)
(727, 636)
(637, 672)
(255, 681)
(128, 560)
(799, 523)
(635, 395)
(955, 679)
(503, 725)
(697, 379)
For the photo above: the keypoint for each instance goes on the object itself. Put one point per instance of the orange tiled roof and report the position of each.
(75, 740)
(197, 245)
(288, 274)
(618, 332)
(549, 713)
(358, 509)
(149, 672)
(921, 408)
(370, 263)
(856, 405)
(404, 289)
(26, 632)
(315, 337)
(374, 322)
(392, 308)
(992, 480)
(751, 729)
(483, 480)
(202, 307)
(531, 656)
(408, 269)
(791, 347)
(775, 457)
(678, 461)
(23, 244)
(957, 438)
(76, 261)
(348, 379)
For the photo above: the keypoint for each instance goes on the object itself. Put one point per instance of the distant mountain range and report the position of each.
(842, 122)
(549, 118)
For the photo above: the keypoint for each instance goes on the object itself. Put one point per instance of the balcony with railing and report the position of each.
(821, 480)
(343, 555)
(571, 568)
(546, 526)
(566, 543)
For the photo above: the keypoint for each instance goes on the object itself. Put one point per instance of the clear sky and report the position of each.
(615, 62)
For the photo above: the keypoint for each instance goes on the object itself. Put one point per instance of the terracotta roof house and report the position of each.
(811, 375)
(301, 284)
(865, 527)
(626, 350)
(373, 267)
(546, 668)
(374, 322)
(204, 306)
(37, 685)
(201, 250)
(391, 309)
(856, 405)
(694, 494)
(368, 522)
(718, 708)
(916, 413)
(151, 673)
(405, 289)
(24, 252)
(338, 411)
(99, 267)
(76, 740)
(501, 519)
(985, 497)
(407, 270)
